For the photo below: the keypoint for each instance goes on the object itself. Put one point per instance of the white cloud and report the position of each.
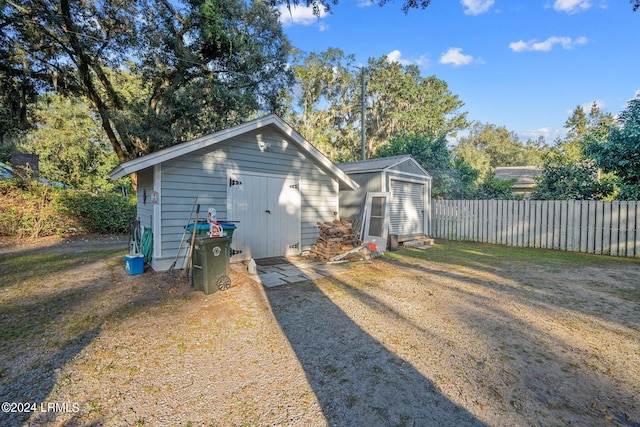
(455, 57)
(476, 7)
(301, 15)
(396, 56)
(548, 133)
(586, 107)
(365, 3)
(571, 6)
(547, 45)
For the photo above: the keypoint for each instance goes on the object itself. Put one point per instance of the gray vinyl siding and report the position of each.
(352, 202)
(204, 173)
(407, 167)
(145, 210)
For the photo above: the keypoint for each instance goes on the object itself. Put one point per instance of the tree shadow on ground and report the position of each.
(43, 329)
(356, 379)
(552, 369)
(584, 283)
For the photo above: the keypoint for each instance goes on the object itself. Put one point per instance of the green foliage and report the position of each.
(619, 153)
(568, 173)
(99, 213)
(6, 149)
(17, 94)
(398, 100)
(450, 180)
(235, 65)
(325, 5)
(488, 146)
(403, 101)
(31, 209)
(71, 145)
(582, 130)
(563, 180)
(495, 188)
(466, 177)
(198, 65)
(327, 110)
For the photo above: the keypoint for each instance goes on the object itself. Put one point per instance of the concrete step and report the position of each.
(422, 243)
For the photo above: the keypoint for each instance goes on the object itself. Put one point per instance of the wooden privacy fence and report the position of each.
(610, 228)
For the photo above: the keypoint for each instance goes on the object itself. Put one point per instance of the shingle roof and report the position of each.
(379, 164)
(373, 164)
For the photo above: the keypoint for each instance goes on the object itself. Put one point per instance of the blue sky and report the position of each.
(522, 64)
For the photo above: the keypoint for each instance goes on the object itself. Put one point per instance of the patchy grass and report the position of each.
(33, 269)
(462, 331)
(627, 294)
(472, 254)
(34, 305)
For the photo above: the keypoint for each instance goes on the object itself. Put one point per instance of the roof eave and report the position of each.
(317, 155)
(384, 169)
(150, 160)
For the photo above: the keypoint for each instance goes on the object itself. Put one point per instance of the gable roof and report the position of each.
(379, 164)
(178, 150)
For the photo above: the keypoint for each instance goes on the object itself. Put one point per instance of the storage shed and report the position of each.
(262, 175)
(407, 186)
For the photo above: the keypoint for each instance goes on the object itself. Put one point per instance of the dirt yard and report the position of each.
(460, 334)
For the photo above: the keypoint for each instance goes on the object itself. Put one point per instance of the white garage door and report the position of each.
(267, 209)
(407, 208)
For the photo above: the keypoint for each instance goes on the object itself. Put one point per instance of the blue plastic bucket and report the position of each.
(134, 264)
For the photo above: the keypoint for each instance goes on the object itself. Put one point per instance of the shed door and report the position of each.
(376, 221)
(407, 208)
(267, 211)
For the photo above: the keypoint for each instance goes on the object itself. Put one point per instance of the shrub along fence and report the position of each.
(610, 228)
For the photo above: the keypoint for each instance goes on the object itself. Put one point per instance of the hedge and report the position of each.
(33, 209)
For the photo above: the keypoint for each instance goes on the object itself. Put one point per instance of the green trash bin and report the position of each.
(210, 264)
(202, 228)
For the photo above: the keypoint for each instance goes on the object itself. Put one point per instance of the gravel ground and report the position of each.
(400, 341)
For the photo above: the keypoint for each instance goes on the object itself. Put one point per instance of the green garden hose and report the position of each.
(144, 244)
(147, 245)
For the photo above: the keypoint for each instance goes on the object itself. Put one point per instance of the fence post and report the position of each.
(599, 227)
(509, 214)
(591, 247)
(564, 221)
(631, 227)
(466, 223)
(538, 222)
(606, 228)
(637, 237)
(615, 221)
(622, 239)
(556, 224)
(544, 226)
(484, 214)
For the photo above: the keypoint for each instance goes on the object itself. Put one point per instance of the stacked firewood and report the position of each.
(334, 238)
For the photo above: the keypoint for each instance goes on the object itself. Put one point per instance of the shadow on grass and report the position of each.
(44, 325)
(547, 279)
(558, 344)
(528, 371)
(356, 379)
